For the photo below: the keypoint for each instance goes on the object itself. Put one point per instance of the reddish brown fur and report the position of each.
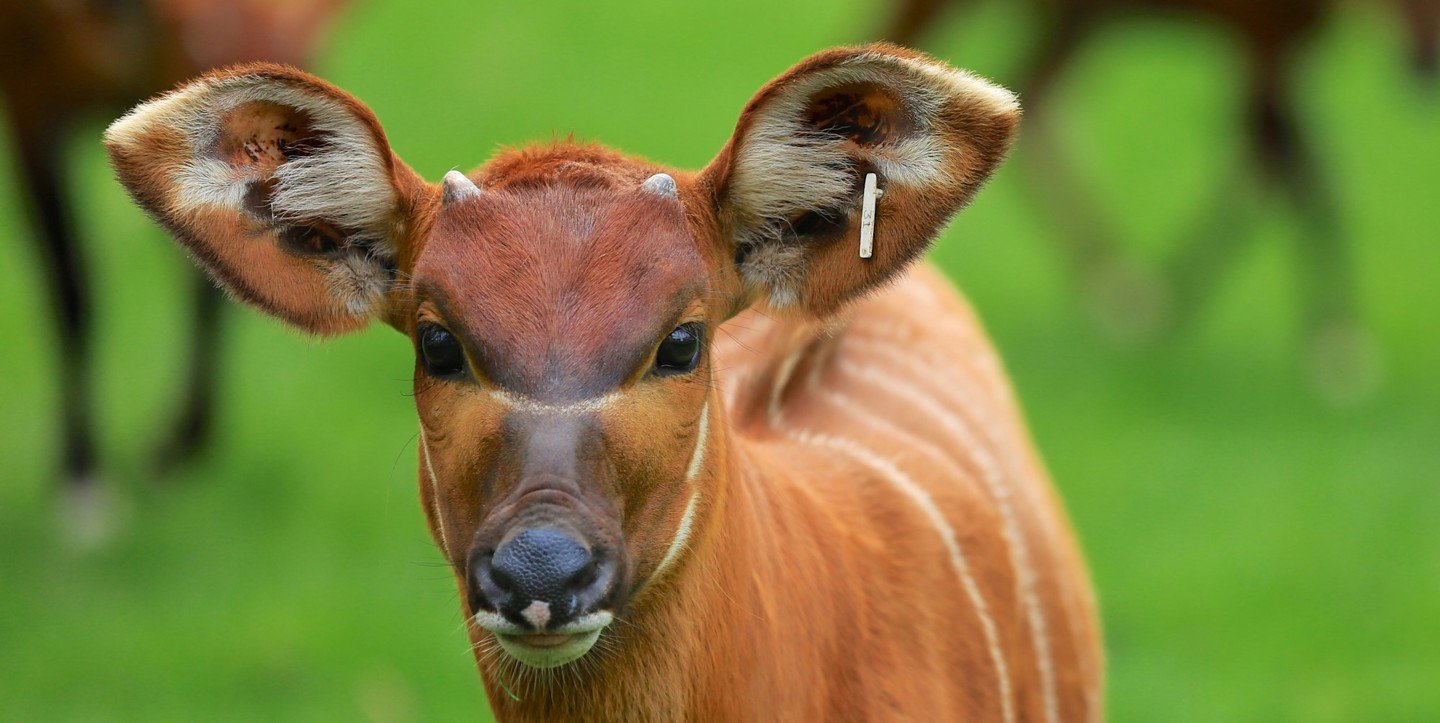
(813, 586)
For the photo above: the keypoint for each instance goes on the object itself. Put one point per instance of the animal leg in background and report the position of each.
(1125, 298)
(193, 426)
(40, 151)
(1342, 357)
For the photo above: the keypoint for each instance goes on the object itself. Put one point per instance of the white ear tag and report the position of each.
(867, 215)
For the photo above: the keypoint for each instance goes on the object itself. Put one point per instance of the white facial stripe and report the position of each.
(434, 493)
(682, 537)
(687, 520)
(524, 403)
(697, 455)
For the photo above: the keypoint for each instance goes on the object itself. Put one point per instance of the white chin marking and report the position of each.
(578, 645)
(584, 631)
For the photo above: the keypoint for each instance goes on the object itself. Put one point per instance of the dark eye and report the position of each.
(317, 239)
(680, 351)
(440, 352)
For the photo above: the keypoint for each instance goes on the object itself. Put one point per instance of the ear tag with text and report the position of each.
(867, 215)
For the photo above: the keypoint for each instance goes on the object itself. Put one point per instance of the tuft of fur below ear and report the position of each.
(788, 182)
(280, 185)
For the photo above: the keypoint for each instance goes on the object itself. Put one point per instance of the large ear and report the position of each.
(788, 186)
(280, 185)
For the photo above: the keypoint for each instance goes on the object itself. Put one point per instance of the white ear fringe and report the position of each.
(661, 184)
(458, 187)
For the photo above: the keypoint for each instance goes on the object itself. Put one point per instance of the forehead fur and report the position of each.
(563, 273)
(564, 163)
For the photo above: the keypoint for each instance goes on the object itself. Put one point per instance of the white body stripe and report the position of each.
(926, 504)
(922, 500)
(961, 393)
(991, 474)
(782, 377)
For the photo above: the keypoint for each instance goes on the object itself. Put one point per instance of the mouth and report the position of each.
(549, 649)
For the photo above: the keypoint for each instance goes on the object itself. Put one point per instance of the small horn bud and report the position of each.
(661, 184)
(458, 187)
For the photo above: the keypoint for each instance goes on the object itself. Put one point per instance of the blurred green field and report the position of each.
(1259, 554)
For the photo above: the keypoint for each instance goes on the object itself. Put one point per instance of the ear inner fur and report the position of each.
(265, 164)
(932, 135)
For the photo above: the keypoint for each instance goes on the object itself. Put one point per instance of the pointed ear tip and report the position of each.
(1001, 99)
(160, 111)
(125, 128)
(113, 140)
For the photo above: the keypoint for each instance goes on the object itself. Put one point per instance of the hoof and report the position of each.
(1344, 363)
(186, 444)
(89, 514)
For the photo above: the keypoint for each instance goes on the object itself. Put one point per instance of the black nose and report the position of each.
(541, 578)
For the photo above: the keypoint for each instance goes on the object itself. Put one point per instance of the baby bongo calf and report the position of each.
(693, 510)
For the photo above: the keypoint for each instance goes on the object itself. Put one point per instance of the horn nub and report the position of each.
(458, 187)
(661, 184)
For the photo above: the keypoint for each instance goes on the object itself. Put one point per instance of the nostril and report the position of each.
(596, 583)
(585, 576)
(489, 587)
(501, 579)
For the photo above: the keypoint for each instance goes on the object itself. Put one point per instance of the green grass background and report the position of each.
(1259, 554)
